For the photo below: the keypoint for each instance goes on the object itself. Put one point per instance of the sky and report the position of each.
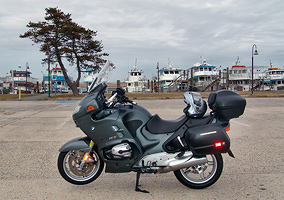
(152, 32)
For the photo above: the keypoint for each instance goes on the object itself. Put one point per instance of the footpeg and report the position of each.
(180, 155)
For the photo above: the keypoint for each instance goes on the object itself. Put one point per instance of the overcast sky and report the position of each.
(154, 31)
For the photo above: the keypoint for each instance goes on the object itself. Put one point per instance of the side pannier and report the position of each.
(227, 104)
(207, 139)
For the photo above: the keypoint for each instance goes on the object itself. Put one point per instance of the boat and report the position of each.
(22, 81)
(239, 77)
(170, 77)
(274, 78)
(57, 82)
(205, 76)
(135, 82)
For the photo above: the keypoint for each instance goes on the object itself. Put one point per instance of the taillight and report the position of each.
(218, 144)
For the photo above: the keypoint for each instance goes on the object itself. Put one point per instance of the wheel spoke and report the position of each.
(200, 170)
(201, 174)
(187, 170)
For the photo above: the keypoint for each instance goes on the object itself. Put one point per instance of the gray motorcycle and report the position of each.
(127, 138)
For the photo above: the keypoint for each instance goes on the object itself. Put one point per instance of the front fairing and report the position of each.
(95, 98)
(94, 101)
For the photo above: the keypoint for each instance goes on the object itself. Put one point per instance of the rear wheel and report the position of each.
(69, 166)
(201, 176)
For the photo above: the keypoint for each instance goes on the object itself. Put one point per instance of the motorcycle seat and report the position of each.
(199, 121)
(156, 125)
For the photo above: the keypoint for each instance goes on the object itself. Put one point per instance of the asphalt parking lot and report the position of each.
(31, 132)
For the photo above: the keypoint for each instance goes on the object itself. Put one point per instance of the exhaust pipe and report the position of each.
(183, 163)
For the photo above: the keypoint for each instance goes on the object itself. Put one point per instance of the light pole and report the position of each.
(27, 67)
(48, 76)
(252, 53)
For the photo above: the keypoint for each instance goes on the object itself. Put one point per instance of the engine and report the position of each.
(119, 152)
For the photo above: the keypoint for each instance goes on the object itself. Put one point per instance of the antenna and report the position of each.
(201, 59)
(135, 65)
(238, 60)
(169, 63)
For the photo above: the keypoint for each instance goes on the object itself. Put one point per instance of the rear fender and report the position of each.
(81, 143)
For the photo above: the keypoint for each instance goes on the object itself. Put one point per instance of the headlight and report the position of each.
(76, 109)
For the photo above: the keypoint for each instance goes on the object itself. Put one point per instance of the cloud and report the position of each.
(153, 31)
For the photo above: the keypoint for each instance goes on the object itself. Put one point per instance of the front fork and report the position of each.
(87, 158)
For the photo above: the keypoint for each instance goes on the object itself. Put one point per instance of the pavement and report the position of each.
(31, 132)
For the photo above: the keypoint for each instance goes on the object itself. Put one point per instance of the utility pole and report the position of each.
(158, 76)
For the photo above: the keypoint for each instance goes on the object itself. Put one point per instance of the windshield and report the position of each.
(103, 76)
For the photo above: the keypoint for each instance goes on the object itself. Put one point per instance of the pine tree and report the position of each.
(62, 39)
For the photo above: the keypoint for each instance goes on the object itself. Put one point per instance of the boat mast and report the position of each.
(135, 65)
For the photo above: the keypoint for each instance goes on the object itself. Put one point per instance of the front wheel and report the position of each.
(69, 166)
(201, 176)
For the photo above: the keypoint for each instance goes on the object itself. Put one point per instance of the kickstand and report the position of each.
(137, 189)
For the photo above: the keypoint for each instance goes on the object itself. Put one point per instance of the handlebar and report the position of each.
(118, 96)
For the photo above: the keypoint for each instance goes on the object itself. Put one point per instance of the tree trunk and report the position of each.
(73, 86)
(74, 89)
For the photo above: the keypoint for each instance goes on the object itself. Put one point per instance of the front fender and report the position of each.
(81, 143)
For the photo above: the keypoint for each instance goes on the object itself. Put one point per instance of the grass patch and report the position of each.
(14, 96)
(260, 94)
(144, 96)
(60, 97)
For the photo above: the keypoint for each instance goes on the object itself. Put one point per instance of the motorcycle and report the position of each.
(127, 138)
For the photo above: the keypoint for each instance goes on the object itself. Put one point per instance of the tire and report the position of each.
(69, 167)
(201, 176)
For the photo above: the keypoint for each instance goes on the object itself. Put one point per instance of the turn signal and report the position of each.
(218, 144)
(86, 157)
(90, 108)
(227, 128)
